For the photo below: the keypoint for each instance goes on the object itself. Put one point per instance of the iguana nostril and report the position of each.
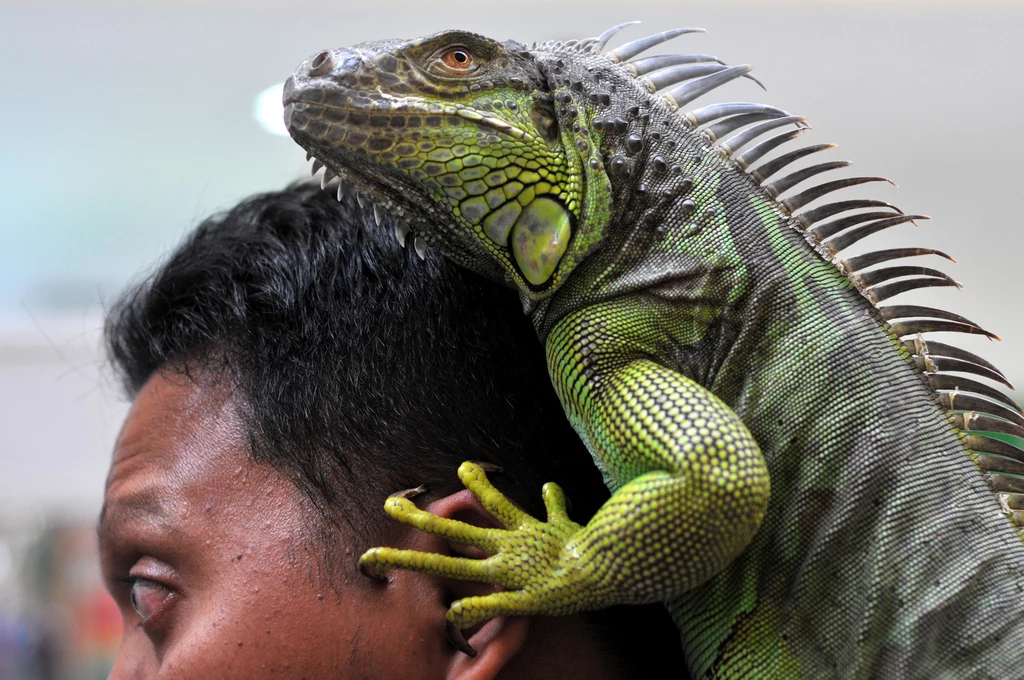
(321, 64)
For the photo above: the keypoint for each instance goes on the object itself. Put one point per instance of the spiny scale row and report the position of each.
(732, 126)
(402, 229)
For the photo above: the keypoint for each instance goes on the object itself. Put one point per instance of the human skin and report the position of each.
(217, 550)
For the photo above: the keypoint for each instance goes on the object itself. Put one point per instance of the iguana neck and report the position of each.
(679, 204)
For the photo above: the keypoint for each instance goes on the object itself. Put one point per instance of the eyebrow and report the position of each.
(146, 504)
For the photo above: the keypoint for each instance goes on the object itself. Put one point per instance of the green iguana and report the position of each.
(705, 335)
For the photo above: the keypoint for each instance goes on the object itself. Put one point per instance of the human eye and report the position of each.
(147, 597)
(151, 591)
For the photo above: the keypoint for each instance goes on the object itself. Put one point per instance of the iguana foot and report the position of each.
(528, 557)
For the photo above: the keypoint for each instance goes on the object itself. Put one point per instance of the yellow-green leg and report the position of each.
(691, 488)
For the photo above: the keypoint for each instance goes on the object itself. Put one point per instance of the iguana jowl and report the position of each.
(704, 335)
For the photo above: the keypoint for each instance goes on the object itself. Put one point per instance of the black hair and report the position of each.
(359, 368)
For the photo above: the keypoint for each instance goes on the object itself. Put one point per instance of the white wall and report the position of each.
(59, 414)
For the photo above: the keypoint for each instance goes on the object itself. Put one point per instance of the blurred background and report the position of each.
(126, 122)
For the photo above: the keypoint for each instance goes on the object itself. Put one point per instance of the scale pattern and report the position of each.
(816, 486)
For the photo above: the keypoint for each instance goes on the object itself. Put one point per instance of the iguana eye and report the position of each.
(458, 58)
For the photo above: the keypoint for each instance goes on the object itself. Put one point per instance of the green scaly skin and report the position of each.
(702, 340)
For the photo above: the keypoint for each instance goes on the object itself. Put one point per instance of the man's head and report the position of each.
(290, 367)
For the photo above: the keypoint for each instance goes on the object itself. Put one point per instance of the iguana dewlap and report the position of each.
(705, 335)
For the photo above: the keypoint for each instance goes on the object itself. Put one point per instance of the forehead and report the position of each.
(177, 427)
(181, 450)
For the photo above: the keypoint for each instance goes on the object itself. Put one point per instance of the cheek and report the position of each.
(136, 658)
(275, 623)
(259, 622)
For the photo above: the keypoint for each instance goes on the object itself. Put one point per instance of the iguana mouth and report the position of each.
(385, 193)
(408, 107)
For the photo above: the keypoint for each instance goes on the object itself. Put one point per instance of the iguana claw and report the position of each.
(363, 566)
(364, 569)
(409, 493)
(455, 637)
(528, 557)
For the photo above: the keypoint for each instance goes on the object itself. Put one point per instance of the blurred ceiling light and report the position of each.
(268, 111)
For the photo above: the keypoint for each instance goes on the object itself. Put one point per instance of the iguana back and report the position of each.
(654, 248)
(884, 546)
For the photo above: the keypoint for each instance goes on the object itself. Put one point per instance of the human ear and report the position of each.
(498, 641)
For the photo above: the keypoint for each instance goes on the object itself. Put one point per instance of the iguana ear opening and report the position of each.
(543, 118)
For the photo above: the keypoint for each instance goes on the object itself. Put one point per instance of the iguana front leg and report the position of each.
(690, 489)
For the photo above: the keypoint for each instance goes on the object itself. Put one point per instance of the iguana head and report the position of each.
(463, 139)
